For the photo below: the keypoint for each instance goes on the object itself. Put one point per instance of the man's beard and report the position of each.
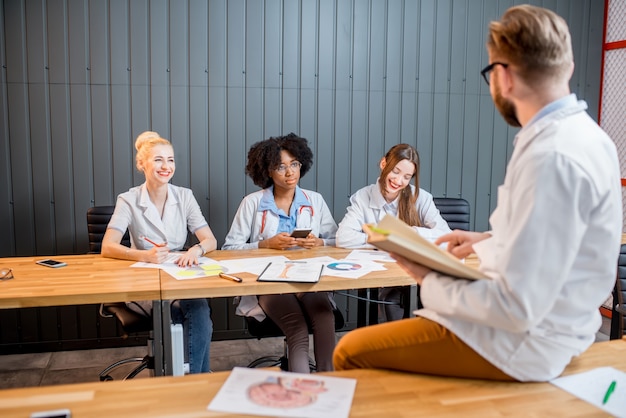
(506, 108)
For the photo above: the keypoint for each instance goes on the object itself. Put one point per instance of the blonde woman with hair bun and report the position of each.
(158, 216)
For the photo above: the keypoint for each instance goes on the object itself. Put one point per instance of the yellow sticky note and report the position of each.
(211, 269)
(187, 273)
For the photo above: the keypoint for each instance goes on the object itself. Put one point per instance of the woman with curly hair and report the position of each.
(265, 219)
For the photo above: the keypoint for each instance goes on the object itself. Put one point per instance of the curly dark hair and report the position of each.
(265, 156)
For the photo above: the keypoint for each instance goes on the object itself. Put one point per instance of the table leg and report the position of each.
(367, 312)
(157, 334)
(373, 306)
(361, 308)
(166, 307)
(162, 350)
(413, 299)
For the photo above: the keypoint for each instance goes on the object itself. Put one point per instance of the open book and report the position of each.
(394, 236)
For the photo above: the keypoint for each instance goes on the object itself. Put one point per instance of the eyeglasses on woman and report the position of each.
(294, 166)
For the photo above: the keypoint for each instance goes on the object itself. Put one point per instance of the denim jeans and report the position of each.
(195, 316)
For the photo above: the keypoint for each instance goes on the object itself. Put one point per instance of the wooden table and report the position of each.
(87, 278)
(91, 278)
(214, 286)
(378, 394)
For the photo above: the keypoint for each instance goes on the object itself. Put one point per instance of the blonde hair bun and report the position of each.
(144, 144)
(145, 137)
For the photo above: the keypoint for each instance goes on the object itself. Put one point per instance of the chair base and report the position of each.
(274, 361)
(270, 361)
(146, 362)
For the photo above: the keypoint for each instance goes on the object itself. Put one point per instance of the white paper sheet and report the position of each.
(371, 255)
(282, 394)
(206, 267)
(591, 386)
(294, 271)
(249, 265)
(351, 268)
(169, 261)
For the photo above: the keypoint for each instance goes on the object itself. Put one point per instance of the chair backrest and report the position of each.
(98, 218)
(455, 211)
(618, 314)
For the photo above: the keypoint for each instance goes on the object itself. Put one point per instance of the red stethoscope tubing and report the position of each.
(263, 218)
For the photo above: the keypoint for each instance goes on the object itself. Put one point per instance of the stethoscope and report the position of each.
(303, 207)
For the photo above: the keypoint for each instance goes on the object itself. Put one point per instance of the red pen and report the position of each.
(154, 243)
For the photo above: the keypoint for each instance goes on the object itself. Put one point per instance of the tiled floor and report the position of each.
(21, 370)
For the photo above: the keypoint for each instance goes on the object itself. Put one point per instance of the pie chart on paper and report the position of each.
(344, 266)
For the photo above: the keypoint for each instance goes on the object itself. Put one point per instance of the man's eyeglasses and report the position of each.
(6, 274)
(488, 69)
(294, 166)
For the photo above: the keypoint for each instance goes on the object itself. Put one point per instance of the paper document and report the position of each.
(592, 386)
(371, 255)
(194, 272)
(295, 271)
(206, 267)
(351, 269)
(249, 265)
(170, 261)
(280, 394)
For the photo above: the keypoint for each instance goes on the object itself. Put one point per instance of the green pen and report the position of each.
(609, 391)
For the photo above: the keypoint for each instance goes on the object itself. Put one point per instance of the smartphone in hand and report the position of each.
(300, 233)
(51, 263)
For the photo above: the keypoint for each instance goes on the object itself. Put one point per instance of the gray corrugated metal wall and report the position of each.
(80, 79)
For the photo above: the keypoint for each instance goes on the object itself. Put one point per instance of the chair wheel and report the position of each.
(106, 378)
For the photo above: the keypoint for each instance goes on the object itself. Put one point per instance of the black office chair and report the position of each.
(618, 313)
(455, 211)
(131, 322)
(268, 328)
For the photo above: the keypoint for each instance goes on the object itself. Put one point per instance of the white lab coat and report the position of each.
(245, 234)
(135, 211)
(368, 206)
(552, 256)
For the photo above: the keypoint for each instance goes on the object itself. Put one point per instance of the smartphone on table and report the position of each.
(57, 413)
(300, 233)
(51, 263)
